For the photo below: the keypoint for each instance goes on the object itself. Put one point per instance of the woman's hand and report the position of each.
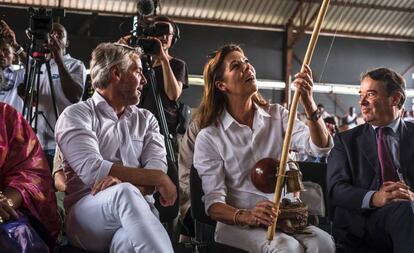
(7, 211)
(263, 214)
(304, 83)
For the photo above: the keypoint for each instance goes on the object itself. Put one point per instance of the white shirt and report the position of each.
(226, 152)
(92, 138)
(8, 90)
(77, 71)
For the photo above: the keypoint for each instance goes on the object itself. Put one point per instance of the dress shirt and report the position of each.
(226, 151)
(8, 92)
(77, 71)
(92, 138)
(392, 138)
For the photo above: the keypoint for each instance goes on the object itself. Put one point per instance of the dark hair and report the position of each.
(176, 30)
(392, 81)
(214, 101)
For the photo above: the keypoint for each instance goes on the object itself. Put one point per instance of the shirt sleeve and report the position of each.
(79, 145)
(153, 152)
(210, 167)
(301, 140)
(78, 73)
(180, 71)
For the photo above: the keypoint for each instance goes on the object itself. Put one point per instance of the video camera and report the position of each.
(40, 26)
(143, 32)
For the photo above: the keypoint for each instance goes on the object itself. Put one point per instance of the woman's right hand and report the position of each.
(263, 214)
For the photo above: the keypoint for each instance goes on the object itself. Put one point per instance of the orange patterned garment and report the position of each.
(23, 166)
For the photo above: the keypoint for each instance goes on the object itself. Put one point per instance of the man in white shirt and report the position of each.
(68, 78)
(115, 159)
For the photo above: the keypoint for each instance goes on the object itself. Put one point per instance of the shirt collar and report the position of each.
(103, 105)
(394, 125)
(228, 120)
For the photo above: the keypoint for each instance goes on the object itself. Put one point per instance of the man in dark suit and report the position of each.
(370, 171)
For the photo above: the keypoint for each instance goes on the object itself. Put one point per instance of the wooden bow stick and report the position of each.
(292, 116)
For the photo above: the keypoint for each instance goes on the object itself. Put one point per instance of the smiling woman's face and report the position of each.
(239, 76)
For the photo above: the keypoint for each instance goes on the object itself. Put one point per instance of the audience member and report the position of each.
(116, 159)
(369, 177)
(68, 77)
(185, 162)
(351, 118)
(11, 78)
(238, 128)
(25, 180)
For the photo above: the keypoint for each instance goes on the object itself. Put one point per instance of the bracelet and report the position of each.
(19, 51)
(236, 216)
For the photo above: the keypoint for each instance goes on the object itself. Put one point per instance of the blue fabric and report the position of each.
(18, 236)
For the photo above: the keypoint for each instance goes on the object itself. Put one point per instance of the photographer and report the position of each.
(68, 78)
(171, 76)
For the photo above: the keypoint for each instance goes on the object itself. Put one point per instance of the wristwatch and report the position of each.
(315, 115)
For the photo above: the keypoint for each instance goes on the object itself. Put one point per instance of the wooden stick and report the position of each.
(292, 116)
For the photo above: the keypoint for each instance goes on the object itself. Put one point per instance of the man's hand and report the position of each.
(56, 46)
(124, 40)
(7, 211)
(106, 182)
(167, 190)
(390, 192)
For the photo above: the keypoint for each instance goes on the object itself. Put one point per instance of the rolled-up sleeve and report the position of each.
(153, 154)
(79, 145)
(210, 167)
(301, 140)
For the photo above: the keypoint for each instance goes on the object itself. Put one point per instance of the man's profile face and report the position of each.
(131, 82)
(6, 55)
(377, 107)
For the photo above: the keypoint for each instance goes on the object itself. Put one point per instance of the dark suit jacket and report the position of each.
(353, 170)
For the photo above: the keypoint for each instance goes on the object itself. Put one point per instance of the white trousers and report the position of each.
(254, 240)
(118, 219)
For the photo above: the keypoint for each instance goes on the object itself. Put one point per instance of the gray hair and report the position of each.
(107, 55)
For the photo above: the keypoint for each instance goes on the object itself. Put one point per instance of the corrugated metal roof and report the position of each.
(373, 18)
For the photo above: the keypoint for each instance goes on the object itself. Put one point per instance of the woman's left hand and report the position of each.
(304, 83)
(7, 211)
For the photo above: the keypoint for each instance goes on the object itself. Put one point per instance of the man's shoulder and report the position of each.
(353, 133)
(72, 61)
(79, 109)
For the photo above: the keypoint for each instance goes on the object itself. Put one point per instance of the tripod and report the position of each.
(169, 214)
(32, 88)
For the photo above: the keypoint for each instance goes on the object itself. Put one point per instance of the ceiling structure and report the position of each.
(377, 19)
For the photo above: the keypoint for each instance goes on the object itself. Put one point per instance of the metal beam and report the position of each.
(349, 4)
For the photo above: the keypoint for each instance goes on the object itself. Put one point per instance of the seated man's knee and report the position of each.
(125, 191)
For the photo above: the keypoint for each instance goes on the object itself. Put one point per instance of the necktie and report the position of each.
(388, 170)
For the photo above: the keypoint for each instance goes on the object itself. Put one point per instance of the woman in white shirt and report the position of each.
(239, 128)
